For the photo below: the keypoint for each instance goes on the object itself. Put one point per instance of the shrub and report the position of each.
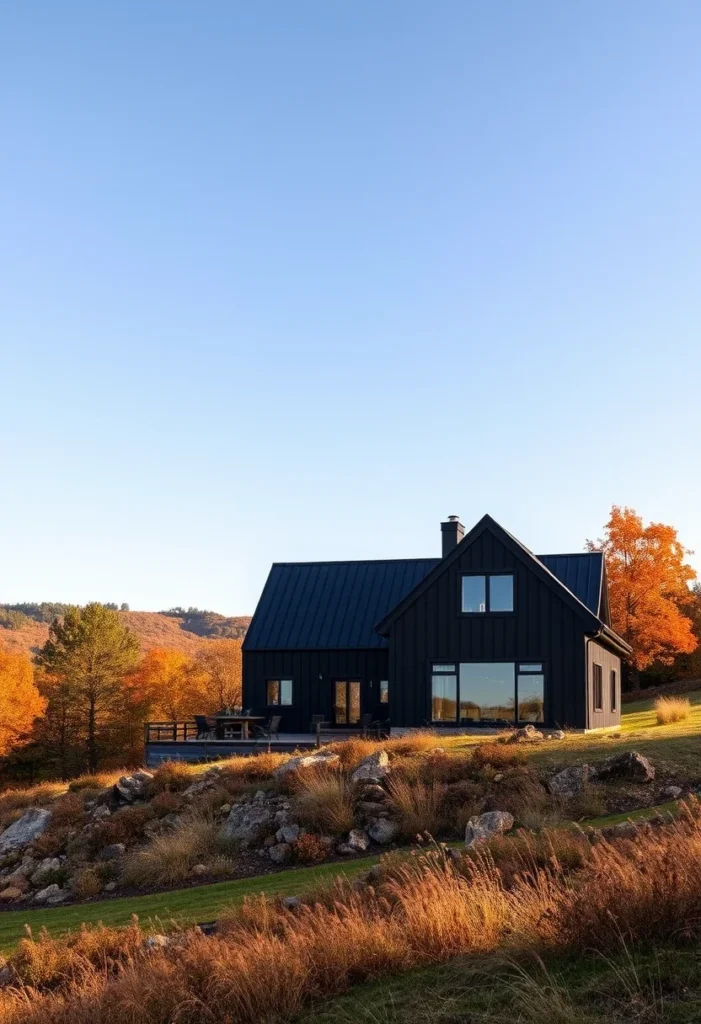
(352, 751)
(124, 826)
(86, 883)
(419, 806)
(324, 800)
(309, 849)
(251, 769)
(96, 781)
(171, 776)
(497, 755)
(51, 842)
(672, 709)
(170, 857)
(415, 742)
(68, 810)
(166, 803)
(442, 767)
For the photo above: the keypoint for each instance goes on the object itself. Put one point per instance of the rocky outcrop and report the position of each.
(46, 870)
(248, 823)
(23, 831)
(483, 827)
(372, 769)
(132, 787)
(51, 894)
(630, 765)
(571, 781)
(295, 764)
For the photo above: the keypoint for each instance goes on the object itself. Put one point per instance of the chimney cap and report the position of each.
(453, 519)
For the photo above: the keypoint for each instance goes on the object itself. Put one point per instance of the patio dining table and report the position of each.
(225, 719)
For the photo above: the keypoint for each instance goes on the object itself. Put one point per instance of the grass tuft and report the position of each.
(672, 709)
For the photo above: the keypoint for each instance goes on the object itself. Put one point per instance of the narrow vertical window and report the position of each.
(384, 691)
(444, 693)
(474, 594)
(614, 694)
(598, 687)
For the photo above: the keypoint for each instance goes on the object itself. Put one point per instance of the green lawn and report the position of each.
(196, 904)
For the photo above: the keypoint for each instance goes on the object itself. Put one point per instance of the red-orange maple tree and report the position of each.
(20, 701)
(648, 581)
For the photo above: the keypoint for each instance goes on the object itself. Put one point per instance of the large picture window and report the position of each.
(491, 593)
(496, 691)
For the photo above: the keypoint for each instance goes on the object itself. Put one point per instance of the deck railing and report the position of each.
(169, 732)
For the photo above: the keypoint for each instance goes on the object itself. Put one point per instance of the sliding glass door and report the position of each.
(346, 704)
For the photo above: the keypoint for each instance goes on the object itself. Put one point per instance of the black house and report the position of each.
(487, 634)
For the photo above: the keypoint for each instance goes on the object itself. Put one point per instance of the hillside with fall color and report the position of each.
(184, 632)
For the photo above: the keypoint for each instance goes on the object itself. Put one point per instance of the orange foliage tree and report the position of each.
(648, 585)
(20, 700)
(221, 663)
(169, 685)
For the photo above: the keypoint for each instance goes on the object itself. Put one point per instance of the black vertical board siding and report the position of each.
(542, 628)
(310, 695)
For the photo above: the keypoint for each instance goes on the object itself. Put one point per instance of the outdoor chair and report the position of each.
(367, 723)
(267, 731)
(205, 727)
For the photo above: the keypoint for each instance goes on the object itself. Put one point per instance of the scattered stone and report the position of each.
(112, 852)
(51, 894)
(308, 761)
(291, 902)
(27, 828)
(498, 777)
(483, 827)
(17, 880)
(269, 841)
(571, 781)
(528, 734)
(630, 765)
(101, 812)
(260, 794)
(373, 768)
(288, 833)
(280, 853)
(225, 809)
(11, 893)
(558, 734)
(199, 869)
(156, 942)
(111, 887)
(48, 867)
(368, 810)
(358, 840)
(382, 830)
(345, 850)
(132, 787)
(671, 792)
(247, 824)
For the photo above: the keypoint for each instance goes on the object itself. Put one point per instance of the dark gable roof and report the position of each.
(580, 573)
(331, 605)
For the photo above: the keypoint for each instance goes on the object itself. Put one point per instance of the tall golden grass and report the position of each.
(169, 858)
(267, 963)
(672, 709)
(324, 800)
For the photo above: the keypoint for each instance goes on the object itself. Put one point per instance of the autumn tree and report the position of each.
(87, 656)
(20, 700)
(170, 684)
(221, 663)
(648, 587)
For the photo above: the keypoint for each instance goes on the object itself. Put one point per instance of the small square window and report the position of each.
(279, 692)
(384, 691)
(501, 593)
(474, 594)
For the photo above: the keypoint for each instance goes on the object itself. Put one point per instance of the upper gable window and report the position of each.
(492, 593)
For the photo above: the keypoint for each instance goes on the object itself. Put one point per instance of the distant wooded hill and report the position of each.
(25, 627)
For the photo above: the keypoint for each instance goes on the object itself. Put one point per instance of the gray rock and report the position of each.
(373, 768)
(302, 763)
(528, 734)
(260, 794)
(247, 824)
(101, 812)
(373, 793)
(112, 852)
(17, 880)
(382, 830)
(291, 902)
(111, 887)
(27, 828)
(280, 853)
(288, 833)
(225, 809)
(132, 787)
(571, 781)
(631, 765)
(345, 850)
(48, 867)
(671, 792)
(370, 810)
(156, 942)
(483, 827)
(52, 893)
(199, 869)
(358, 839)
(557, 734)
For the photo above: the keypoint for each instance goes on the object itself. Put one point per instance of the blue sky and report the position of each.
(287, 281)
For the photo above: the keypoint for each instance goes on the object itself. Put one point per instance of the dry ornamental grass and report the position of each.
(672, 709)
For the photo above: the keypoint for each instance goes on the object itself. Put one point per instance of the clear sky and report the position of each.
(295, 280)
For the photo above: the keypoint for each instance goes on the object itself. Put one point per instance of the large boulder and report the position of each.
(247, 824)
(47, 869)
(288, 833)
(280, 853)
(571, 781)
(373, 768)
(27, 828)
(51, 894)
(132, 787)
(358, 840)
(382, 830)
(483, 827)
(296, 764)
(630, 765)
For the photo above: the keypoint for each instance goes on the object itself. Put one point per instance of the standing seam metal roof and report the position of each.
(336, 605)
